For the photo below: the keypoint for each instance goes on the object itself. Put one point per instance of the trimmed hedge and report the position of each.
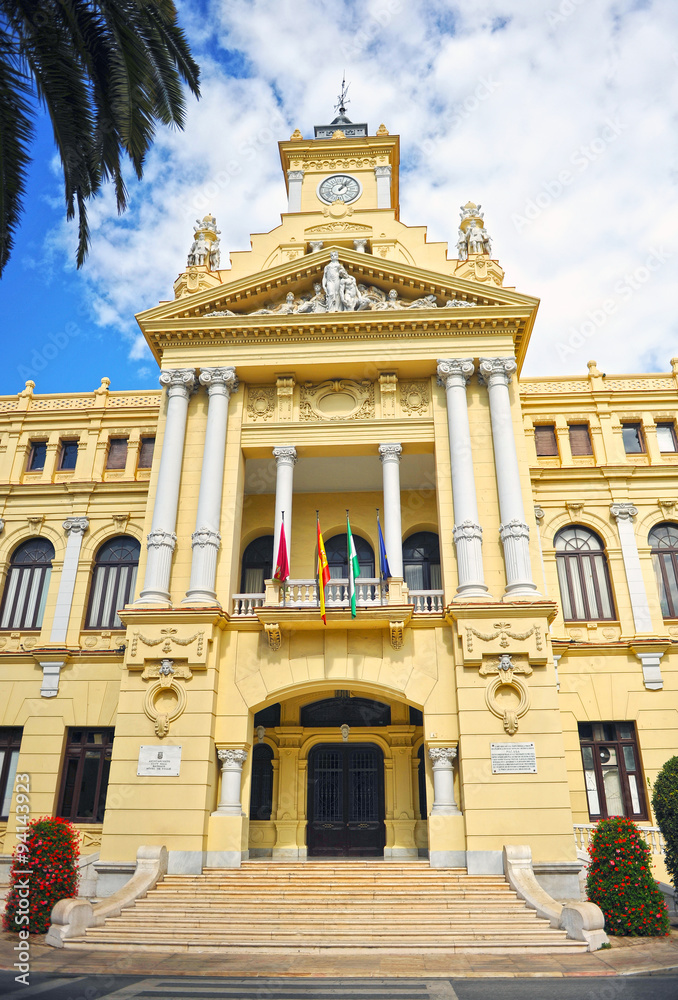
(44, 870)
(620, 880)
(665, 806)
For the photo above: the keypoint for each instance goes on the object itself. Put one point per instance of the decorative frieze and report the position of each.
(415, 398)
(260, 402)
(337, 399)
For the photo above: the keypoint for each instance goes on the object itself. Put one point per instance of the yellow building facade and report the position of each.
(510, 674)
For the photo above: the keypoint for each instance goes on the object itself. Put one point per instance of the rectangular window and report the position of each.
(666, 437)
(85, 775)
(146, 452)
(37, 456)
(68, 455)
(580, 439)
(545, 440)
(117, 453)
(10, 743)
(634, 442)
(614, 783)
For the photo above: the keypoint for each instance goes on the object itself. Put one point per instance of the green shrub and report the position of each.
(665, 805)
(620, 880)
(44, 870)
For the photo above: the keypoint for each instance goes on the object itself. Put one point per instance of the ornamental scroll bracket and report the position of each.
(397, 631)
(167, 675)
(506, 695)
(274, 635)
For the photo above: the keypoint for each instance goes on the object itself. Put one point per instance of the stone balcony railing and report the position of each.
(370, 592)
(583, 832)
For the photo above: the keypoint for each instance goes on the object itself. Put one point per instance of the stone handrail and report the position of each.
(72, 917)
(652, 835)
(581, 921)
(427, 602)
(244, 604)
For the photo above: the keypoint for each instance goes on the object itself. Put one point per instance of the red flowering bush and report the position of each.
(620, 880)
(44, 870)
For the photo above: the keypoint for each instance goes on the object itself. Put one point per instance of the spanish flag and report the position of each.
(323, 570)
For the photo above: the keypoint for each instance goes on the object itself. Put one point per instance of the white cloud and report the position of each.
(560, 124)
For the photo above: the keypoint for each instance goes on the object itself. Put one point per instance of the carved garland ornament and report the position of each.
(503, 630)
(414, 398)
(167, 637)
(260, 402)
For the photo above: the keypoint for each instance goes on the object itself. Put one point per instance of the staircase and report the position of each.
(330, 908)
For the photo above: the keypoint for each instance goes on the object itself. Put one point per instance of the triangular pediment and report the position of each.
(292, 295)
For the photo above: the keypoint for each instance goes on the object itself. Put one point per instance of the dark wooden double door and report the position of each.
(346, 801)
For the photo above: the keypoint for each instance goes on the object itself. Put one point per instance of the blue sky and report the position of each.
(557, 115)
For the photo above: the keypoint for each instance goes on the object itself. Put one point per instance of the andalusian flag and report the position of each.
(323, 570)
(353, 566)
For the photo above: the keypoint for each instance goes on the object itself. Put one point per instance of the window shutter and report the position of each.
(580, 439)
(117, 453)
(146, 453)
(545, 440)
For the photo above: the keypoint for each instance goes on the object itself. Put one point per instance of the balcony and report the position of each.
(370, 593)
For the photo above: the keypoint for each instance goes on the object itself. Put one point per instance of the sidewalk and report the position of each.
(628, 956)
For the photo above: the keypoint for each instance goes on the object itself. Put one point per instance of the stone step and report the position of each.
(152, 910)
(181, 946)
(400, 923)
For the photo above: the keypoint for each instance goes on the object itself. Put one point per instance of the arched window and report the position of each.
(261, 796)
(421, 561)
(336, 549)
(583, 575)
(664, 541)
(257, 565)
(115, 573)
(23, 602)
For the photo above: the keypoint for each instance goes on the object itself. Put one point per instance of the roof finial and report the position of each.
(340, 106)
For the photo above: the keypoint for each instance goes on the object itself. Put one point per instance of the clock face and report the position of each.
(339, 187)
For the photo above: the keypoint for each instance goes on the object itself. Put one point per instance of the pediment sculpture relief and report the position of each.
(340, 292)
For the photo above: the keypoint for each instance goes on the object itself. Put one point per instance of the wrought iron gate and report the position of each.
(346, 801)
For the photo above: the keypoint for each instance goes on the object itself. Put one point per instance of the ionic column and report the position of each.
(294, 181)
(389, 455)
(231, 776)
(206, 539)
(514, 532)
(468, 534)
(161, 539)
(285, 460)
(623, 514)
(75, 528)
(383, 175)
(443, 781)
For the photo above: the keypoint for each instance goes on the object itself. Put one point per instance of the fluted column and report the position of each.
(383, 175)
(454, 375)
(514, 532)
(231, 777)
(294, 180)
(444, 803)
(285, 460)
(623, 514)
(389, 455)
(161, 539)
(206, 539)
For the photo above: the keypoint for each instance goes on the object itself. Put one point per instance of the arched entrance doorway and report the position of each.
(346, 801)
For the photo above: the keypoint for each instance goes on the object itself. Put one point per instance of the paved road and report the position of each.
(51, 987)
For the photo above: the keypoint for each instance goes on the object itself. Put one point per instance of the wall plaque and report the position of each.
(156, 760)
(513, 758)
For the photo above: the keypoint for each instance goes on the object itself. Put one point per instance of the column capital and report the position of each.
(205, 536)
(496, 371)
(222, 381)
(467, 529)
(285, 454)
(232, 758)
(75, 525)
(360, 246)
(390, 452)
(315, 246)
(384, 170)
(295, 175)
(623, 511)
(159, 538)
(179, 381)
(453, 372)
(539, 513)
(442, 755)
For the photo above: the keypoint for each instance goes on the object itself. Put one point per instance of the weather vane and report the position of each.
(340, 106)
